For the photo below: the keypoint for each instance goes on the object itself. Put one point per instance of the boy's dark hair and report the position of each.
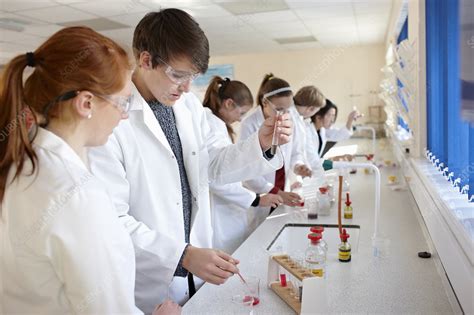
(169, 34)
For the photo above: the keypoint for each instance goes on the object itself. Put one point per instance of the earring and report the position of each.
(89, 116)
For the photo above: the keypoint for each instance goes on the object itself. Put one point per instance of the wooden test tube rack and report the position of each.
(296, 271)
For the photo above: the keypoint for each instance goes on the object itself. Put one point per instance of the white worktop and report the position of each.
(400, 282)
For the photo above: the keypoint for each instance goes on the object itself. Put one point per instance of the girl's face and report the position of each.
(107, 115)
(276, 103)
(307, 111)
(329, 119)
(230, 111)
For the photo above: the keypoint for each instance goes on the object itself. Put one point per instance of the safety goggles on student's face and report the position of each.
(280, 108)
(121, 102)
(178, 76)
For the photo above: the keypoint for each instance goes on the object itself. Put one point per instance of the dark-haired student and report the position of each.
(323, 130)
(158, 164)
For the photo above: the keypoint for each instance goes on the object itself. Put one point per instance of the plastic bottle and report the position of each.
(315, 255)
(348, 208)
(320, 230)
(344, 248)
(324, 201)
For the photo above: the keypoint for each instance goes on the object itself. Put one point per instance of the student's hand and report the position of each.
(265, 133)
(210, 265)
(168, 307)
(289, 198)
(353, 116)
(270, 200)
(303, 170)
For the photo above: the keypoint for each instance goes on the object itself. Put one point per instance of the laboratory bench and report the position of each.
(395, 281)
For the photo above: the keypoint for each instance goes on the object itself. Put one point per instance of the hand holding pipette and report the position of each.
(281, 126)
(210, 265)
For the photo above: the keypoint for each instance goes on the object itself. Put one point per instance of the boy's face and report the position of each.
(168, 81)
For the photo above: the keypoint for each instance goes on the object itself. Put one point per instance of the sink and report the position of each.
(293, 238)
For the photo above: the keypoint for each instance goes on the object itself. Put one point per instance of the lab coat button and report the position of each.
(172, 157)
(194, 153)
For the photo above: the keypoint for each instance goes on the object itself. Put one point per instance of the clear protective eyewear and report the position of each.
(279, 110)
(178, 76)
(121, 102)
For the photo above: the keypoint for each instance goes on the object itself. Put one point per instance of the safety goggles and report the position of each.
(280, 109)
(178, 76)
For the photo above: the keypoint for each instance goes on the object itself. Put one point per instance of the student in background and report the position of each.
(308, 101)
(232, 206)
(275, 95)
(158, 164)
(324, 131)
(64, 250)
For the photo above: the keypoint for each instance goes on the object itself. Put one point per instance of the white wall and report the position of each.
(338, 72)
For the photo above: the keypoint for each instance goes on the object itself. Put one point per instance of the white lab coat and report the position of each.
(231, 209)
(63, 248)
(293, 154)
(141, 173)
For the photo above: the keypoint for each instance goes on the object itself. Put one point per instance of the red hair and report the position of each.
(73, 59)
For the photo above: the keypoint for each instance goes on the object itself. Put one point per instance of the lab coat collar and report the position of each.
(49, 141)
(144, 111)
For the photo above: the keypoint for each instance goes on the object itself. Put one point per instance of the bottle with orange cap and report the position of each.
(348, 208)
(319, 230)
(315, 255)
(344, 247)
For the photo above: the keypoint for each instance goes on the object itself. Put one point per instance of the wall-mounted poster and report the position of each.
(199, 86)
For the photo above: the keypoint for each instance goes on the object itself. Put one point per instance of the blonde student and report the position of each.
(64, 250)
(232, 206)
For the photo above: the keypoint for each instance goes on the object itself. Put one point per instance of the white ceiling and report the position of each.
(331, 22)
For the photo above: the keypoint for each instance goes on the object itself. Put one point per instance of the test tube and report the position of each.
(276, 134)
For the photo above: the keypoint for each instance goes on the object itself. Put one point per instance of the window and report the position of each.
(449, 137)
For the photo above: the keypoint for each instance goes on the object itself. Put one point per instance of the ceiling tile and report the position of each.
(111, 7)
(128, 19)
(326, 12)
(58, 14)
(16, 5)
(19, 37)
(251, 7)
(207, 11)
(42, 30)
(269, 17)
